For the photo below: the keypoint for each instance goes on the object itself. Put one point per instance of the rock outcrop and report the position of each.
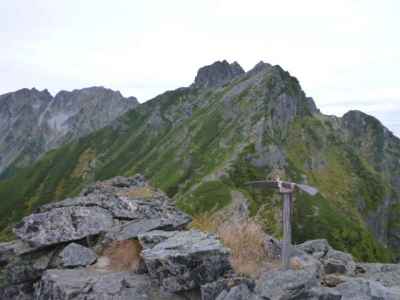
(186, 260)
(33, 122)
(63, 252)
(88, 285)
(217, 74)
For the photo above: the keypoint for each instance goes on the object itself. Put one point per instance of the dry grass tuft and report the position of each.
(123, 255)
(139, 192)
(205, 222)
(246, 241)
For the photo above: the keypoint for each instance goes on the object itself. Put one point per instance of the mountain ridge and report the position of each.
(201, 144)
(33, 121)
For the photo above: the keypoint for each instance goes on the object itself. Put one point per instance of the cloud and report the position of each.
(344, 53)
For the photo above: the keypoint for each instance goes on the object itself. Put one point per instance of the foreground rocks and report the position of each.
(67, 234)
(123, 239)
(87, 285)
(186, 260)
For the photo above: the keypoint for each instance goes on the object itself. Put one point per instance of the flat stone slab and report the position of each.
(62, 225)
(186, 260)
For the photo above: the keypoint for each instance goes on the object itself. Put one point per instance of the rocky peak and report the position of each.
(217, 74)
(259, 67)
(53, 121)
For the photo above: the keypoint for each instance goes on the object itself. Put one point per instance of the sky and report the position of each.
(345, 53)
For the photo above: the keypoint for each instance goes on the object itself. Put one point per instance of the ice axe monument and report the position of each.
(286, 189)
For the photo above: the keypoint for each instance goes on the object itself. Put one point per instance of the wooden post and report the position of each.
(287, 230)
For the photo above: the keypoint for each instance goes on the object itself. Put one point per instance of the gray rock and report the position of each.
(285, 285)
(272, 247)
(316, 248)
(22, 291)
(187, 260)
(115, 185)
(240, 292)
(386, 274)
(53, 121)
(338, 262)
(173, 221)
(217, 74)
(7, 252)
(323, 293)
(63, 224)
(362, 289)
(18, 276)
(81, 284)
(152, 238)
(154, 211)
(334, 261)
(211, 291)
(75, 255)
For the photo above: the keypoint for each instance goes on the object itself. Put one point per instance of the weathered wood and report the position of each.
(286, 189)
(287, 230)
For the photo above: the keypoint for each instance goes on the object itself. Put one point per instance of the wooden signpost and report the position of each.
(286, 189)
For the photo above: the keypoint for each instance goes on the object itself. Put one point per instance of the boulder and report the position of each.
(211, 291)
(338, 262)
(317, 248)
(386, 274)
(79, 284)
(362, 289)
(62, 225)
(187, 260)
(334, 261)
(287, 284)
(240, 292)
(75, 255)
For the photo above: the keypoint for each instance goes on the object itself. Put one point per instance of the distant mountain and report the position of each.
(33, 122)
(202, 143)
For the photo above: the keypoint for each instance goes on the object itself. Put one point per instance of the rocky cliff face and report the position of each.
(33, 122)
(202, 143)
(62, 252)
(217, 74)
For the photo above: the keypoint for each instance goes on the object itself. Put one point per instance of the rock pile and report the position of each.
(59, 254)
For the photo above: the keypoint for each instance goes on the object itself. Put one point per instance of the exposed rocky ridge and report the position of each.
(178, 263)
(217, 74)
(32, 122)
(202, 143)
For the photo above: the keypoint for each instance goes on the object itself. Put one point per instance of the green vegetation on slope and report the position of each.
(198, 146)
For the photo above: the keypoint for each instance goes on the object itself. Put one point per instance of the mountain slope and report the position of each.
(33, 122)
(202, 143)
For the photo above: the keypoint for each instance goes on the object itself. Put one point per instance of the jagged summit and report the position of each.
(260, 66)
(217, 74)
(33, 122)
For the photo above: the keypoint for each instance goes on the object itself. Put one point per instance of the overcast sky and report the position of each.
(345, 53)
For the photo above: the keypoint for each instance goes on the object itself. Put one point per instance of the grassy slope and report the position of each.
(177, 154)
